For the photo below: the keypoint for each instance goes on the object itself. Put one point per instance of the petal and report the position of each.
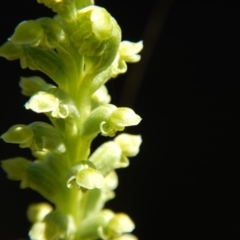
(42, 102)
(126, 237)
(119, 224)
(16, 168)
(90, 178)
(129, 144)
(28, 32)
(111, 180)
(123, 117)
(37, 232)
(128, 51)
(31, 85)
(36, 212)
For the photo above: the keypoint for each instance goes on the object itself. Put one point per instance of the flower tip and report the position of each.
(138, 119)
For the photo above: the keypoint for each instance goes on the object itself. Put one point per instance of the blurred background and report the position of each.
(185, 182)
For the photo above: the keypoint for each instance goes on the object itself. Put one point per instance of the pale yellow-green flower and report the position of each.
(129, 144)
(114, 154)
(108, 119)
(54, 102)
(37, 212)
(84, 175)
(128, 52)
(100, 97)
(117, 225)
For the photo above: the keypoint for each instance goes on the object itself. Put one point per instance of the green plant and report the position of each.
(80, 49)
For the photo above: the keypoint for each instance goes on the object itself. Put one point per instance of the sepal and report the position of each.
(31, 85)
(16, 169)
(11, 51)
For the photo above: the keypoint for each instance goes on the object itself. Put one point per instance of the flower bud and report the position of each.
(28, 32)
(100, 97)
(117, 225)
(21, 134)
(37, 212)
(31, 85)
(129, 144)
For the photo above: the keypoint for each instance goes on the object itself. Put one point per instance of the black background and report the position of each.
(185, 182)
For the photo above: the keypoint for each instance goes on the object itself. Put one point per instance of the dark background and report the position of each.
(185, 182)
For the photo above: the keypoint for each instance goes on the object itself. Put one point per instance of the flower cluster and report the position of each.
(80, 49)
